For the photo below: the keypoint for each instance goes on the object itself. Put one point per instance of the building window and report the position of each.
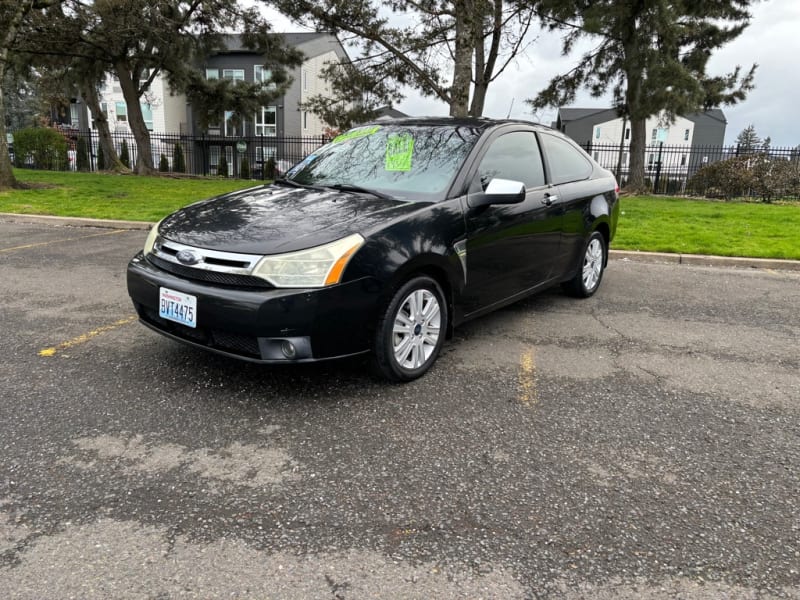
(266, 121)
(686, 135)
(655, 135)
(596, 155)
(122, 111)
(263, 154)
(624, 158)
(231, 124)
(683, 160)
(627, 133)
(305, 80)
(212, 73)
(597, 133)
(305, 119)
(233, 74)
(213, 158)
(147, 115)
(214, 124)
(651, 160)
(264, 76)
(74, 116)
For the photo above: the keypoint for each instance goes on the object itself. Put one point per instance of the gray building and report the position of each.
(281, 131)
(675, 149)
(708, 128)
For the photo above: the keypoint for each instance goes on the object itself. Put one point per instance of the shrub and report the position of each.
(178, 162)
(101, 158)
(42, 148)
(222, 167)
(163, 164)
(124, 155)
(82, 155)
(758, 175)
(269, 169)
(244, 168)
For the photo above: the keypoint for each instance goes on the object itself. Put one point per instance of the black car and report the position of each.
(381, 241)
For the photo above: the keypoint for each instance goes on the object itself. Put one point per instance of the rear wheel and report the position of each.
(590, 270)
(411, 330)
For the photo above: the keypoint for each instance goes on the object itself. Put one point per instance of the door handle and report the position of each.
(549, 199)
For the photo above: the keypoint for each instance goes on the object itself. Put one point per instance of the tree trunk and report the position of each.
(462, 66)
(7, 179)
(144, 152)
(89, 94)
(636, 184)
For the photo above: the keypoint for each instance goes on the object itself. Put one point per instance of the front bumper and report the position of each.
(252, 324)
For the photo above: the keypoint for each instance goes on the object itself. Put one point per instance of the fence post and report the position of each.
(658, 168)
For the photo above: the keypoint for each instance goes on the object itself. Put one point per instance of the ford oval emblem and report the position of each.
(187, 257)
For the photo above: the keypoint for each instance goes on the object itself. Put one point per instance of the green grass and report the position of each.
(107, 196)
(646, 223)
(690, 226)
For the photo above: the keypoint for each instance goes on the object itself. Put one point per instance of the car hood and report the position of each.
(276, 219)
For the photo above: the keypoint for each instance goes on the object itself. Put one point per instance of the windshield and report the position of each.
(416, 163)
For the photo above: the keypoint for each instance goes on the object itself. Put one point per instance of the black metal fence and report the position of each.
(251, 157)
(669, 169)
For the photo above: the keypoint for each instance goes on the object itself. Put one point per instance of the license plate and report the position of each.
(178, 307)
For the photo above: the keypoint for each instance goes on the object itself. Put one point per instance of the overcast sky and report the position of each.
(772, 41)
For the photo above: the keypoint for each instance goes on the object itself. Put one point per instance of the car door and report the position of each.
(510, 247)
(569, 170)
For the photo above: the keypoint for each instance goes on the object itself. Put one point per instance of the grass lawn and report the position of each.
(648, 224)
(690, 226)
(106, 196)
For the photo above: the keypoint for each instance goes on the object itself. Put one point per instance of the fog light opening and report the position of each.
(288, 349)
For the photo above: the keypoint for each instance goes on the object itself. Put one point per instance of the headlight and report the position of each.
(315, 267)
(151, 238)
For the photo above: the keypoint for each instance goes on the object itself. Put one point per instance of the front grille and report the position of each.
(242, 345)
(226, 279)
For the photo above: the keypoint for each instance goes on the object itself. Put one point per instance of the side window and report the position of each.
(566, 162)
(513, 156)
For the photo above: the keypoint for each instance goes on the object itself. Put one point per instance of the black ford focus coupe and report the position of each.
(381, 241)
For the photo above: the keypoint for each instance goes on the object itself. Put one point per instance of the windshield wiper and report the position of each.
(349, 187)
(293, 183)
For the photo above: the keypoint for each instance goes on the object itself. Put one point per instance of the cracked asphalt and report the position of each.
(644, 443)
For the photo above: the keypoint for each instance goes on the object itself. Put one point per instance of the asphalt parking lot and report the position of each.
(644, 443)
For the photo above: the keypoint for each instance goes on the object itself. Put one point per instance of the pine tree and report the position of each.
(222, 166)
(82, 155)
(651, 55)
(748, 142)
(101, 159)
(178, 162)
(163, 164)
(124, 155)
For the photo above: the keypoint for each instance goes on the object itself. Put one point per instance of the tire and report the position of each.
(410, 330)
(590, 268)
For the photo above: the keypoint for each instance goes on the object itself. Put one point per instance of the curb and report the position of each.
(76, 222)
(625, 255)
(708, 261)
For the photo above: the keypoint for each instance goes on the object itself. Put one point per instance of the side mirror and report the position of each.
(499, 191)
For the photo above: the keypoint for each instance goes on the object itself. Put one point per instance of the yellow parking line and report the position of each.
(86, 336)
(527, 379)
(83, 237)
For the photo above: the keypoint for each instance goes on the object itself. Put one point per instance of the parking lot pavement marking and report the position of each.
(83, 237)
(527, 379)
(86, 336)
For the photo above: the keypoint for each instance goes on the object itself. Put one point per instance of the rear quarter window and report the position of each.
(567, 163)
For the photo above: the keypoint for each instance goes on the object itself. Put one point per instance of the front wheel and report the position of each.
(411, 330)
(590, 271)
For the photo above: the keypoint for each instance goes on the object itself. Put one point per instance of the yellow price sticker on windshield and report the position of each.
(399, 149)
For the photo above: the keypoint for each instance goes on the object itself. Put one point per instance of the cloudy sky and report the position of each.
(772, 41)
